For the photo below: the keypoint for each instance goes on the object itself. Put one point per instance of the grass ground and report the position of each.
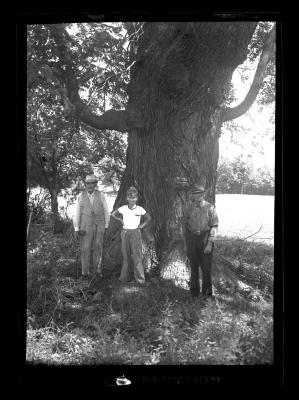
(70, 321)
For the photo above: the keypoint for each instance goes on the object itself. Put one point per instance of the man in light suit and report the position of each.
(91, 219)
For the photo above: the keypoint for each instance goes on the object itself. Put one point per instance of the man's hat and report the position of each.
(197, 189)
(91, 179)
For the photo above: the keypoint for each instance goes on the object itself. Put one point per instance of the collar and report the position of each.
(200, 204)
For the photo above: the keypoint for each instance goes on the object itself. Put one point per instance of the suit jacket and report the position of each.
(91, 214)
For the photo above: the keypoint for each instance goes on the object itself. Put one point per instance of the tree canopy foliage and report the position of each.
(56, 142)
(60, 151)
(86, 62)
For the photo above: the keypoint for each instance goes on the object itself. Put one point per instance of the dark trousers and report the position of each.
(195, 252)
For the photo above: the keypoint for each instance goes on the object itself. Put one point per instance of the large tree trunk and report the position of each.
(178, 87)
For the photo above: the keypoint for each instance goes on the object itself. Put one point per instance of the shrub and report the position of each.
(42, 275)
(38, 205)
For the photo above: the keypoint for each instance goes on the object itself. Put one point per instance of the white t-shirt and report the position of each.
(132, 217)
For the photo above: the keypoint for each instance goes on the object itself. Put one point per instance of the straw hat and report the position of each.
(91, 179)
(197, 189)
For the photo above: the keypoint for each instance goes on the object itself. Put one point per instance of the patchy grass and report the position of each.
(70, 321)
(248, 264)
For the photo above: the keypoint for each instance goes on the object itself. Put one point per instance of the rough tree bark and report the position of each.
(178, 86)
(177, 91)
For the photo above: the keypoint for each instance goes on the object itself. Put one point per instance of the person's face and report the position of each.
(197, 197)
(90, 186)
(132, 200)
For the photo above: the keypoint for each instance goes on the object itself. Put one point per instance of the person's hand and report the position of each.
(208, 248)
(79, 233)
(121, 221)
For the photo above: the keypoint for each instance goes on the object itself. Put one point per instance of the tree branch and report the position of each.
(121, 120)
(267, 52)
(239, 239)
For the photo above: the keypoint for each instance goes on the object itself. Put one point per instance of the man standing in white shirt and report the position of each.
(91, 219)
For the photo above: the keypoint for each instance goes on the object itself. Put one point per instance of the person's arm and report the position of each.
(213, 231)
(114, 215)
(185, 219)
(147, 219)
(106, 212)
(213, 225)
(76, 219)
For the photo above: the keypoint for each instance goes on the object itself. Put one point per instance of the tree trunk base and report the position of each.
(174, 265)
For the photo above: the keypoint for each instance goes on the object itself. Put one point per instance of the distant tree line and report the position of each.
(239, 177)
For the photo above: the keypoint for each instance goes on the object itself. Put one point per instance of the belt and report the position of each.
(198, 234)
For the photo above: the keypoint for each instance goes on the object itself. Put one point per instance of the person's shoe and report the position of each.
(211, 297)
(206, 298)
(99, 274)
(124, 282)
(144, 283)
(96, 274)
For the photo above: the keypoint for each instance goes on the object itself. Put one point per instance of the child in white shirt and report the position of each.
(131, 243)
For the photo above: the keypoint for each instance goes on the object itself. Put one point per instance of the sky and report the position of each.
(255, 125)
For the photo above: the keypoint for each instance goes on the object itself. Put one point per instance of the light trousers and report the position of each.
(91, 245)
(131, 248)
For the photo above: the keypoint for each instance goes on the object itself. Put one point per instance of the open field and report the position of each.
(242, 215)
